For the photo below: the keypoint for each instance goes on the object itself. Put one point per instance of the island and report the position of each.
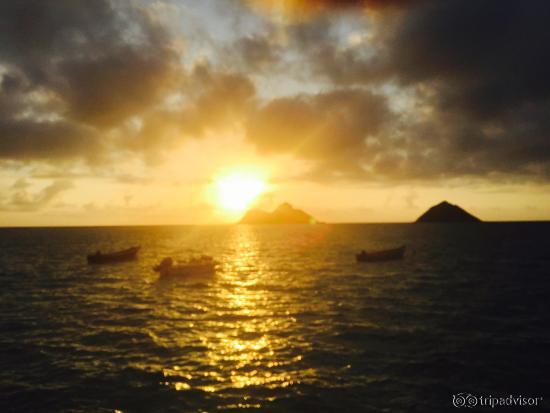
(446, 212)
(283, 214)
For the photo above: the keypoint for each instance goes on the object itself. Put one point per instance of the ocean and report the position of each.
(290, 323)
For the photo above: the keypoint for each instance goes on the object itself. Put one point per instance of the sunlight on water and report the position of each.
(242, 347)
(244, 342)
(290, 322)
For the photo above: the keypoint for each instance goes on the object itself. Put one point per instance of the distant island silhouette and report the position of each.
(446, 212)
(283, 214)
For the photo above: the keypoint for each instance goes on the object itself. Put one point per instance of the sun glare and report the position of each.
(238, 190)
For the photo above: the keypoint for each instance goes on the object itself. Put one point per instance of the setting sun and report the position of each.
(238, 190)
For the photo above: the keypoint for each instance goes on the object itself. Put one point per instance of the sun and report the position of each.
(236, 191)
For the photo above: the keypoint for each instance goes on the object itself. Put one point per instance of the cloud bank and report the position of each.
(418, 90)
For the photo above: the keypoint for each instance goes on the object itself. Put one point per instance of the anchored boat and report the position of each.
(113, 257)
(201, 266)
(381, 255)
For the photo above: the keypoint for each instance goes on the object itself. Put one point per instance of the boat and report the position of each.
(113, 257)
(381, 255)
(201, 266)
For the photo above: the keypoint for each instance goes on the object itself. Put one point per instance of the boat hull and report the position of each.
(114, 257)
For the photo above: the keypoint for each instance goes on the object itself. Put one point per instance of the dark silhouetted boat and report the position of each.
(381, 255)
(113, 257)
(201, 266)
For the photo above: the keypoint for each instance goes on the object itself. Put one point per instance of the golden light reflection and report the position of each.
(246, 345)
(237, 340)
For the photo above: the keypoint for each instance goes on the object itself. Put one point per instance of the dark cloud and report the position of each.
(485, 65)
(28, 140)
(258, 53)
(68, 66)
(107, 91)
(218, 99)
(213, 101)
(81, 78)
(23, 200)
(330, 128)
(478, 72)
(486, 56)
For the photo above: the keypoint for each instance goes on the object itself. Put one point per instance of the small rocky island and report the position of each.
(283, 214)
(446, 212)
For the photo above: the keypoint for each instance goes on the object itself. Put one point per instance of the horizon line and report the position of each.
(265, 225)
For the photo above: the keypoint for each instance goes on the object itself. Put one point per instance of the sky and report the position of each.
(189, 112)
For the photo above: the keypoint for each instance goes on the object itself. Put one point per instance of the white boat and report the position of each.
(201, 266)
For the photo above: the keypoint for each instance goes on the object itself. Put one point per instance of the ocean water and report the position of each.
(290, 323)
